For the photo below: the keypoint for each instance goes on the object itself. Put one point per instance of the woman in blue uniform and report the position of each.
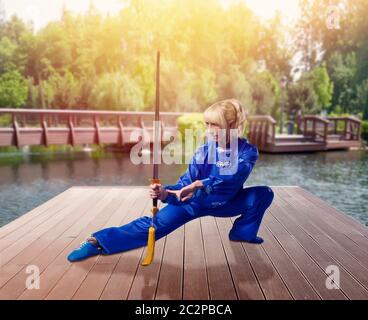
(212, 185)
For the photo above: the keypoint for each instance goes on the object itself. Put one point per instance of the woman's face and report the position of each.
(213, 130)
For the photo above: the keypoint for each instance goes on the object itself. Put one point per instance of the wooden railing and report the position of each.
(313, 126)
(76, 127)
(348, 127)
(262, 130)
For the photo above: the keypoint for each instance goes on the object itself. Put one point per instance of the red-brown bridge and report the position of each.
(80, 127)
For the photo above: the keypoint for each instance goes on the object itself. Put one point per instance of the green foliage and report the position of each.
(61, 92)
(7, 52)
(301, 96)
(235, 83)
(13, 90)
(345, 50)
(117, 91)
(361, 102)
(265, 92)
(208, 53)
(342, 70)
(322, 85)
(90, 61)
(192, 121)
(5, 120)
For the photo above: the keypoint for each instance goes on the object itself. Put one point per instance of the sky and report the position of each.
(43, 11)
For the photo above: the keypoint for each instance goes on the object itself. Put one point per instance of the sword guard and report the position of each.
(152, 181)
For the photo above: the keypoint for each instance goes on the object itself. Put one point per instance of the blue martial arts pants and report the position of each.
(250, 202)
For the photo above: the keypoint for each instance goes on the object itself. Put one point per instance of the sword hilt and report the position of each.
(155, 201)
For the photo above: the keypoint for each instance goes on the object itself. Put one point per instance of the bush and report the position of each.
(13, 90)
(5, 120)
(194, 121)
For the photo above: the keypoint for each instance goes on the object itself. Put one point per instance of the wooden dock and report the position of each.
(314, 133)
(303, 236)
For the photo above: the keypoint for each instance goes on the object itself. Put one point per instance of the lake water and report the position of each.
(26, 181)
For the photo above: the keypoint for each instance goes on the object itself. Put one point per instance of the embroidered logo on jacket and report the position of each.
(217, 204)
(223, 164)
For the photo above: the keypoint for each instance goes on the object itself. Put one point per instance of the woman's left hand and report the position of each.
(186, 192)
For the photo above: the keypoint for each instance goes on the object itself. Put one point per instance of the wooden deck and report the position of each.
(315, 134)
(303, 236)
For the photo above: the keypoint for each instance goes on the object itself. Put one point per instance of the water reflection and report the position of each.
(338, 177)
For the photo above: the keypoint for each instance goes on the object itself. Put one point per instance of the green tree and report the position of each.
(117, 91)
(322, 86)
(301, 97)
(7, 53)
(343, 70)
(13, 90)
(61, 92)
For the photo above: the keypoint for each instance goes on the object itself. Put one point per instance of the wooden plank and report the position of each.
(19, 245)
(69, 283)
(284, 213)
(269, 279)
(311, 270)
(77, 213)
(145, 281)
(336, 222)
(170, 282)
(298, 285)
(18, 229)
(332, 211)
(34, 213)
(126, 264)
(120, 281)
(97, 278)
(328, 224)
(303, 235)
(57, 267)
(245, 281)
(332, 244)
(220, 281)
(195, 285)
(41, 258)
(27, 255)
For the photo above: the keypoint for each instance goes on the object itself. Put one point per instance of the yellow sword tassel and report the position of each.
(151, 233)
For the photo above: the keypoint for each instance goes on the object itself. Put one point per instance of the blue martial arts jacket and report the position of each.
(222, 172)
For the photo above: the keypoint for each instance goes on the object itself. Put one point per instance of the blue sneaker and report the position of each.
(256, 240)
(86, 250)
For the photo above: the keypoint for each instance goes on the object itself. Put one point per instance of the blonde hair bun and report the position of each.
(226, 113)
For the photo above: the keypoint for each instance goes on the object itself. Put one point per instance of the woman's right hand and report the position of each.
(157, 192)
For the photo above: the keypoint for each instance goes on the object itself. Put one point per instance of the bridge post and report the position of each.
(273, 133)
(358, 131)
(16, 131)
(44, 132)
(97, 130)
(121, 132)
(325, 132)
(71, 131)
